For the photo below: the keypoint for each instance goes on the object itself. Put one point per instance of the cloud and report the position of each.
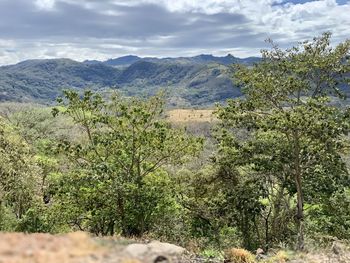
(45, 4)
(100, 29)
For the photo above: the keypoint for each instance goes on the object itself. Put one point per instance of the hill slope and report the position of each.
(43, 80)
(203, 58)
(196, 80)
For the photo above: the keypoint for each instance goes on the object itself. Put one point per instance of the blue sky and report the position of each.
(101, 29)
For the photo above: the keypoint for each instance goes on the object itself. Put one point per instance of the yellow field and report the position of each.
(190, 115)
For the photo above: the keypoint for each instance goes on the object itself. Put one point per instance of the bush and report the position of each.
(7, 219)
(239, 255)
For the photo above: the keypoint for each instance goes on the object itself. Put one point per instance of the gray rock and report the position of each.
(155, 252)
(259, 251)
(137, 250)
(160, 248)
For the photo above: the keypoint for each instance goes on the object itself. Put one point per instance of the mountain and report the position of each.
(199, 80)
(43, 80)
(91, 62)
(227, 60)
(201, 59)
(185, 84)
(122, 61)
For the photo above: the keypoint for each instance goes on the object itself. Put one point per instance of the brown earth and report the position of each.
(190, 115)
(79, 247)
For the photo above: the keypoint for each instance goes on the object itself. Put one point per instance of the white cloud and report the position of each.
(293, 21)
(297, 21)
(272, 16)
(45, 4)
(100, 29)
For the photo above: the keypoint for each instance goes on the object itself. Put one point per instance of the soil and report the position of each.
(79, 247)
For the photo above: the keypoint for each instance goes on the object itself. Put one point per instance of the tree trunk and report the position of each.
(121, 213)
(300, 197)
(267, 236)
(300, 213)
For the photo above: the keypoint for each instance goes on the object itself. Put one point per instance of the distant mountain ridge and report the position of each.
(203, 58)
(122, 61)
(199, 80)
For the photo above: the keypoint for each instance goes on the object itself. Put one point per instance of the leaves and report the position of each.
(126, 140)
(292, 136)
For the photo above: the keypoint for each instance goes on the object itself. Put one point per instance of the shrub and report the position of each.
(280, 257)
(239, 255)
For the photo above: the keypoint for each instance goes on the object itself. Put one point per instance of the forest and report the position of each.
(272, 170)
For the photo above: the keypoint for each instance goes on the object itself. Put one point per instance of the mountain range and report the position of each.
(200, 59)
(187, 81)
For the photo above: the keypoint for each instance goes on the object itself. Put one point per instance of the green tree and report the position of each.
(126, 144)
(293, 132)
(19, 173)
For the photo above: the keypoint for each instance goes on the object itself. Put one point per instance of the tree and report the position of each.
(126, 143)
(293, 130)
(19, 173)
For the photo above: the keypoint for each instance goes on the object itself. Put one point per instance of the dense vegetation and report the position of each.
(274, 171)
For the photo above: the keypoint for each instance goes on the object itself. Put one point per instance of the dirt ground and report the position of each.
(79, 247)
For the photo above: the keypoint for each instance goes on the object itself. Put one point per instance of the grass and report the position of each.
(239, 255)
(190, 115)
(212, 254)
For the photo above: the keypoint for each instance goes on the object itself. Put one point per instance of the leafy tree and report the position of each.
(40, 130)
(126, 144)
(293, 133)
(19, 174)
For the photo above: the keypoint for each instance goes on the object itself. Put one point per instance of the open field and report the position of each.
(191, 115)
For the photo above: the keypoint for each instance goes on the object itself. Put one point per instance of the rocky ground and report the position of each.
(80, 248)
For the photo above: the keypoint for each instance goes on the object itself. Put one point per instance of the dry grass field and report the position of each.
(190, 116)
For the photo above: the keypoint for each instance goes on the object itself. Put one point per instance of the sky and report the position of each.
(102, 29)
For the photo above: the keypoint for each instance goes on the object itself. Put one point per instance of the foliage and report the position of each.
(274, 170)
(293, 143)
(332, 216)
(117, 178)
(212, 254)
(19, 176)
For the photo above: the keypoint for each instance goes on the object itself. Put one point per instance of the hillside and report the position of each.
(199, 80)
(203, 58)
(187, 81)
(43, 80)
(176, 116)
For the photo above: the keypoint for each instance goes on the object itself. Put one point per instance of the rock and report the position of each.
(137, 250)
(259, 251)
(338, 248)
(261, 257)
(154, 252)
(260, 254)
(130, 261)
(160, 248)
